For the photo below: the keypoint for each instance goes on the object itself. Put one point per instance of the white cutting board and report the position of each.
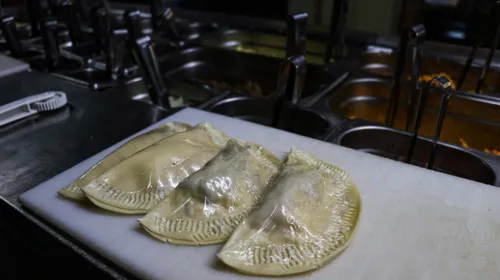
(415, 223)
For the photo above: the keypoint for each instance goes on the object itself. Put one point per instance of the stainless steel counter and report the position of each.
(39, 147)
(9, 66)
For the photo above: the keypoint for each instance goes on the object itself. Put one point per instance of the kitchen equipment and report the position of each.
(417, 33)
(296, 35)
(293, 69)
(12, 39)
(493, 18)
(100, 23)
(242, 73)
(168, 26)
(290, 85)
(393, 144)
(133, 22)
(146, 59)
(445, 88)
(48, 29)
(471, 118)
(268, 44)
(298, 120)
(415, 223)
(73, 21)
(9, 66)
(336, 34)
(22, 108)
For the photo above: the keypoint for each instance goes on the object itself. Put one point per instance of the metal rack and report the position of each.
(419, 92)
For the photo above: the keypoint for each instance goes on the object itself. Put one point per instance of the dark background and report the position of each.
(270, 9)
(458, 25)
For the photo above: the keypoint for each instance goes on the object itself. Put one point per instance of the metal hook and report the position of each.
(115, 52)
(48, 29)
(132, 20)
(146, 59)
(290, 84)
(417, 33)
(445, 89)
(168, 25)
(297, 38)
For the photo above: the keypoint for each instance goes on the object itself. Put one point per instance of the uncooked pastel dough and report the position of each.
(73, 191)
(207, 206)
(138, 183)
(308, 217)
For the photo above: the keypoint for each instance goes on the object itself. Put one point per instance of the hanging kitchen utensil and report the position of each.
(115, 52)
(445, 89)
(417, 34)
(168, 26)
(48, 28)
(297, 37)
(146, 60)
(293, 68)
(290, 85)
(396, 88)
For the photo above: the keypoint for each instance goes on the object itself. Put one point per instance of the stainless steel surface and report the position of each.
(268, 44)
(9, 66)
(135, 89)
(127, 70)
(301, 121)
(473, 120)
(241, 73)
(383, 63)
(64, 65)
(189, 31)
(193, 92)
(296, 35)
(44, 145)
(290, 85)
(146, 59)
(393, 144)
